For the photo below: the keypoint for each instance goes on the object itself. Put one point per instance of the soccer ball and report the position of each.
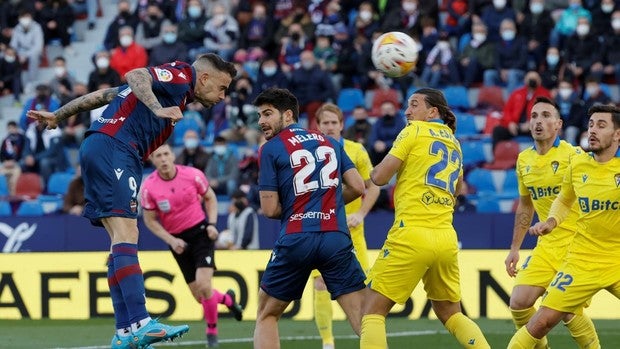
(225, 240)
(395, 54)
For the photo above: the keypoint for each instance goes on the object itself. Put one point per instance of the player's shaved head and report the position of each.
(209, 62)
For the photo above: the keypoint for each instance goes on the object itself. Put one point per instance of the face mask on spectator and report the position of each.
(169, 38)
(102, 62)
(607, 8)
(582, 29)
(194, 11)
(499, 4)
(443, 45)
(508, 35)
(269, 71)
(365, 15)
(480, 37)
(615, 23)
(307, 64)
(410, 6)
(25, 21)
(126, 40)
(9, 59)
(219, 150)
(565, 93)
(532, 83)
(59, 71)
(191, 143)
(537, 8)
(574, 5)
(592, 91)
(553, 59)
(219, 19)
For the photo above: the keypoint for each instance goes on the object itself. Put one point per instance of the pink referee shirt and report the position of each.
(177, 201)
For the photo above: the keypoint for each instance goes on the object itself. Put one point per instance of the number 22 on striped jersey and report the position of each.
(301, 182)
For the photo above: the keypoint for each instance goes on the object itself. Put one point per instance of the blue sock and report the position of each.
(129, 277)
(120, 310)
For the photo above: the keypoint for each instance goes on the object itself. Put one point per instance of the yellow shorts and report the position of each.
(539, 268)
(361, 251)
(413, 254)
(577, 281)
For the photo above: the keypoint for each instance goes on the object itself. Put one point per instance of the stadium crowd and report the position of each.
(320, 51)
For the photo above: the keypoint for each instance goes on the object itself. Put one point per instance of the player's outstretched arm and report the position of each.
(87, 102)
(141, 83)
(385, 170)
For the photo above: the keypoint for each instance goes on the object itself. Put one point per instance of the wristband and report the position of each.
(212, 224)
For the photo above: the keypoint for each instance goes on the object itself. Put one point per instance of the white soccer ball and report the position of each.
(225, 239)
(395, 54)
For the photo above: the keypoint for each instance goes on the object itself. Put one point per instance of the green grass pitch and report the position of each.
(403, 333)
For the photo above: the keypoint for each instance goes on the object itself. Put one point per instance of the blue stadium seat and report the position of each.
(473, 152)
(4, 185)
(482, 181)
(488, 205)
(466, 125)
(349, 98)
(510, 187)
(5, 209)
(58, 183)
(457, 97)
(187, 123)
(30, 208)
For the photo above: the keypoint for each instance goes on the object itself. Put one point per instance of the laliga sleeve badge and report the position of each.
(163, 74)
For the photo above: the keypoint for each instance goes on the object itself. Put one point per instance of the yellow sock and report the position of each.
(323, 315)
(521, 317)
(373, 334)
(466, 331)
(523, 340)
(583, 332)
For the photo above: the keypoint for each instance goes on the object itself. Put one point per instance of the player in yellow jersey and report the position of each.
(330, 122)
(422, 243)
(540, 170)
(593, 180)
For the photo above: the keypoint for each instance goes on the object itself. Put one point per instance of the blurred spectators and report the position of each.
(242, 115)
(43, 153)
(171, 49)
(384, 132)
(441, 68)
(150, 27)
(552, 69)
(11, 152)
(10, 74)
(191, 28)
(405, 18)
(572, 111)
(611, 57)
(102, 74)
(223, 168)
(122, 19)
(535, 29)
(477, 56)
(57, 19)
(62, 83)
(516, 115)
(365, 22)
(292, 46)
(258, 32)
(510, 58)
(566, 25)
(42, 100)
(242, 224)
(221, 33)
(75, 126)
(601, 15)
(361, 128)
(583, 53)
(458, 18)
(27, 39)
(269, 75)
(128, 55)
(192, 153)
(312, 86)
(494, 15)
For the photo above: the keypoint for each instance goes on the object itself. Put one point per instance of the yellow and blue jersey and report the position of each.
(596, 188)
(426, 181)
(540, 177)
(358, 154)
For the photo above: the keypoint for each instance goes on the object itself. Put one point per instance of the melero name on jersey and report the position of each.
(297, 139)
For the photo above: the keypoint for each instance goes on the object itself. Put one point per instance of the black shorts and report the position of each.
(199, 252)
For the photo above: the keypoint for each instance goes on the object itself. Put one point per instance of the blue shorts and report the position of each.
(296, 255)
(112, 177)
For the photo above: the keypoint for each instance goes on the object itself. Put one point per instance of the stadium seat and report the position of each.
(4, 185)
(473, 152)
(510, 187)
(5, 209)
(488, 205)
(30, 208)
(465, 125)
(457, 97)
(349, 98)
(59, 183)
(50, 203)
(504, 156)
(183, 125)
(481, 180)
(490, 97)
(379, 96)
(29, 185)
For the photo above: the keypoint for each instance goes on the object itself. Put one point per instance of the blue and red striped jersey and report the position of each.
(305, 167)
(130, 121)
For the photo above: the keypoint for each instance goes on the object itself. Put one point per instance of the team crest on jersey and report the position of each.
(528, 168)
(584, 177)
(163, 74)
(617, 178)
(554, 166)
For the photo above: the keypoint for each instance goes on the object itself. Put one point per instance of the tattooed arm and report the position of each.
(141, 83)
(523, 219)
(87, 102)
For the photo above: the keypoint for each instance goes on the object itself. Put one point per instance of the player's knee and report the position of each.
(520, 303)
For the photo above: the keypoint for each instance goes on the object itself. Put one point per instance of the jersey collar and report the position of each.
(556, 143)
(618, 153)
(439, 121)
